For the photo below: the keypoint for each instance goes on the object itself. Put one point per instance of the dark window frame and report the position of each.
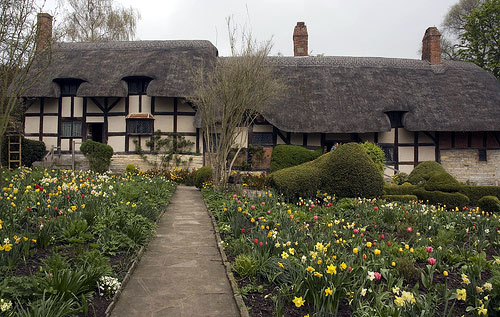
(262, 138)
(482, 156)
(140, 126)
(75, 131)
(389, 152)
(137, 85)
(69, 86)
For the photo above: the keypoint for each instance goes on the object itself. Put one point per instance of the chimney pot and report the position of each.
(43, 31)
(300, 39)
(431, 46)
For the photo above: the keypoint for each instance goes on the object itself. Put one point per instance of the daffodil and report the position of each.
(331, 269)
(298, 301)
(310, 269)
(461, 294)
(328, 291)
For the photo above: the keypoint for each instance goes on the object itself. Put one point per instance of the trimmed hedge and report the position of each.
(98, 154)
(424, 171)
(31, 151)
(477, 192)
(442, 181)
(376, 154)
(451, 200)
(405, 189)
(489, 204)
(284, 156)
(203, 175)
(404, 198)
(346, 172)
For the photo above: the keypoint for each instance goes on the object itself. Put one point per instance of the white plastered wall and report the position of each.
(32, 125)
(50, 124)
(116, 124)
(117, 143)
(185, 124)
(164, 123)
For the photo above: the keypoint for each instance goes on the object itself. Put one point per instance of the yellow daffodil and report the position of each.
(461, 294)
(298, 301)
(310, 269)
(331, 269)
(318, 274)
(328, 291)
(376, 251)
(355, 251)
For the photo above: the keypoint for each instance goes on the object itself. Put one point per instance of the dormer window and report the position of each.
(68, 86)
(396, 118)
(137, 85)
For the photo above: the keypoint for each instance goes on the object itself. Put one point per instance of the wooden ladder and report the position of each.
(14, 150)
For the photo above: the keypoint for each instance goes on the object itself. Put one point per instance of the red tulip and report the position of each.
(378, 276)
(242, 230)
(260, 243)
(358, 215)
(388, 244)
(355, 231)
(382, 236)
(253, 207)
(429, 249)
(431, 261)
(409, 229)
(375, 208)
(256, 240)
(350, 269)
(315, 217)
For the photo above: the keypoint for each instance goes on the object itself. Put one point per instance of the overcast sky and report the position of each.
(387, 28)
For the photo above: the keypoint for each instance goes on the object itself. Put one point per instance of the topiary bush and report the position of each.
(202, 175)
(489, 204)
(346, 172)
(404, 198)
(423, 171)
(376, 154)
(442, 181)
(451, 200)
(405, 189)
(98, 154)
(31, 151)
(284, 156)
(477, 192)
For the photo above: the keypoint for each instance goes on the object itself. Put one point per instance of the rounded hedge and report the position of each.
(98, 154)
(402, 198)
(450, 200)
(489, 204)
(376, 154)
(424, 171)
(346, 172)
(284, 156)
(202, 175)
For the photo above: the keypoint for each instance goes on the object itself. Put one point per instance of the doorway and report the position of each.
(95, 132)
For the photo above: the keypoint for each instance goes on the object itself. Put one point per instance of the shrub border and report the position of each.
(234, 285)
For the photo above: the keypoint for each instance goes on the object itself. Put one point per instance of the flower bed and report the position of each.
(359, 257)
(68, 238)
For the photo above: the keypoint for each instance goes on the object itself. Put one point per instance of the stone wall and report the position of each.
(465, 166)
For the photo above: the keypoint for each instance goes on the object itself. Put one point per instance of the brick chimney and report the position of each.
(431, 46)
(300, 39)
(43, 31)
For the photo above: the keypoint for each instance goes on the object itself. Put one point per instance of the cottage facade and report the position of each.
(119, 93)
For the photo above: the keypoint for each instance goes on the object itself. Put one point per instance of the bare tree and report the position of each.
(18, 42)
(98, 20)
(231, 96)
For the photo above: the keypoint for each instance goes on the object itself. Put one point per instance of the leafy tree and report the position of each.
(18, 42)
(98, 20)
(453, 26)
(480, 40)
(230, 97)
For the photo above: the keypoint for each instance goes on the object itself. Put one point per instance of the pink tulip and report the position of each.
(355, 231)
(253, 207)
(431, 261)
(377, 276)
(269, 211)
(409, 229)
(429, 249)
(315, 217)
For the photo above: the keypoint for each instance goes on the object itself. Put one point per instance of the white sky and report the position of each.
(387, 28)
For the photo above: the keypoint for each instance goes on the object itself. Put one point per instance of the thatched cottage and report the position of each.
(416, 110)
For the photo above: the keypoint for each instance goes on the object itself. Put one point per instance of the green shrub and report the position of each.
(476, 192)
(423, 171)
(31, 151)
(442, 181)
(399, 178)
(405, 189)
(284, 156)
(202, 175)
(130, 169)
(98, 154)
(489, 204)
(245, 265)
(346, 172)
(451, 200)
(400, 197)
(298, 181)
(376, 154)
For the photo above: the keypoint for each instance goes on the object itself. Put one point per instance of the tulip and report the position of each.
(382, 236)
(252, 207)
(388, 244)
(355, 231)
(377, 275)
(429, 249)
(375, 208)
(431, 261)
(256, 240)
(409, 229)
(269, 211)
(242, 230)
(263, 203)
(315, 217)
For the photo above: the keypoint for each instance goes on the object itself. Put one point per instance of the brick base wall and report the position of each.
(464, 165)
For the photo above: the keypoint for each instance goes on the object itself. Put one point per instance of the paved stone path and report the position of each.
(181, 273)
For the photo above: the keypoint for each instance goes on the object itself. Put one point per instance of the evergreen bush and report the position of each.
(98, 154)
(477, 192)
(402, 198)
(423, 171)
(284, 156)
(31, 151)
(376, 154)
(203, 175)
(451, 200)
(130, 169)
(489, 204)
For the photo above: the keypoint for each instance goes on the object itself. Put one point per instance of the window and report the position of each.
(262, 138)
(389, 152)
(69, 86)
(140, 126)
(71, 129)
(137, 85)
(396, 118)
(482, 155)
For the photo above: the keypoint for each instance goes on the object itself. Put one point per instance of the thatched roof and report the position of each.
(352, 94)
(102, 66)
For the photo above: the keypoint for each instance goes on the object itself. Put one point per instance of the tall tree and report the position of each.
(18, 42)
(453, 26)
(480, 40)
(230, 97)
(98, 20)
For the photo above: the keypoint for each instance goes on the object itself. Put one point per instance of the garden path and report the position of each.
(181, 273)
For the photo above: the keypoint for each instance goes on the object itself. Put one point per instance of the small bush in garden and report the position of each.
(130, 169)
(98, 154)
(404, 189)
(442, 181)
(376, 154)
(399, 178)
(31, 151)
(202, 175)
(451, 200)
(245, 265)
(298, 181)
(489, 204)
(284, 156)
(477, 192)
(406, 268)
(423, 171)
